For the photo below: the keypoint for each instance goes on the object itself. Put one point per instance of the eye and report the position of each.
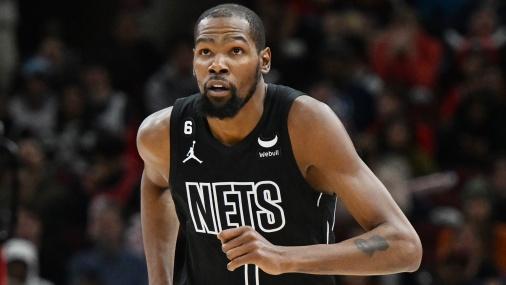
(237, 50)
(205, 51)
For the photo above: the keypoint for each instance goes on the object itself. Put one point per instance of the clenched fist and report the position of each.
(244, 245)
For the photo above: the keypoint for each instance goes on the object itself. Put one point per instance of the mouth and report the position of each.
(218, 88)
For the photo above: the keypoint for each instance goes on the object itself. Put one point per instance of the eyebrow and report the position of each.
(235, 38)
(226, 39)
(204, 40)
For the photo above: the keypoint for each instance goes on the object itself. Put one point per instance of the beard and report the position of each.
(232, 106)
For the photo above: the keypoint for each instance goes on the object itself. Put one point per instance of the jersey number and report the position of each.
(188, 127)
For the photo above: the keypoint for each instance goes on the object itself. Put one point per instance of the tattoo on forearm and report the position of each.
(371, 245)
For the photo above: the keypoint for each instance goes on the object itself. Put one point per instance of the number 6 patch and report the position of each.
(188, 127)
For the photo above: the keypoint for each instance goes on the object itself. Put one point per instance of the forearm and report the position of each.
(382, 250)
(160, 228)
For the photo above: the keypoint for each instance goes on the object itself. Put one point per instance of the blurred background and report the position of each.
(419, 84)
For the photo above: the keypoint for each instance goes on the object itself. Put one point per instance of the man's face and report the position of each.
(226, 64)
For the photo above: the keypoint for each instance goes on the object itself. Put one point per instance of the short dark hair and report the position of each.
(256, 26)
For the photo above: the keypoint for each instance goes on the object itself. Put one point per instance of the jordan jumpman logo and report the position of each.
(191, 154)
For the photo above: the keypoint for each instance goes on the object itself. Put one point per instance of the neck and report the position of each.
(231, 131)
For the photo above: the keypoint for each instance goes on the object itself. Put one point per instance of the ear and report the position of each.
(265, 60)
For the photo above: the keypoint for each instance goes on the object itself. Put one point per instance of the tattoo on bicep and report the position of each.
(371, 245)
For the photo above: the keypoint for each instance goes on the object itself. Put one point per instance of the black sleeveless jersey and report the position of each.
(255, 182)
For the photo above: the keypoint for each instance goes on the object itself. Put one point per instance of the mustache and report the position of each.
(216, 77)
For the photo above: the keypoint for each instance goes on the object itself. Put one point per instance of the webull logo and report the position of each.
(266, 154)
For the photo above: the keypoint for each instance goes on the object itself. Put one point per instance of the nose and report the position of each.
(218, 66)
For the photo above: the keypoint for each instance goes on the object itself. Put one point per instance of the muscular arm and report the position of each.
(159, 220)
(329, 162)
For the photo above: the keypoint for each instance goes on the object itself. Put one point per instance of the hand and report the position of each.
(244, 245)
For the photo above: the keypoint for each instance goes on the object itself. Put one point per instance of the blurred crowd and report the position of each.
(419, 84)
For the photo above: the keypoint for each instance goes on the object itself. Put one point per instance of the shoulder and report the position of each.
(311, 115)
(153, 136)
(317, 135)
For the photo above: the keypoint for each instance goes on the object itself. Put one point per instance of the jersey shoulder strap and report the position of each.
(283, 98)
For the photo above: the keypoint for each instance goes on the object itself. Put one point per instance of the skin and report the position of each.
(325, 156)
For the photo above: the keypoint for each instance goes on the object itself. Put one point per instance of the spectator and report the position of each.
(473, 244)
(173, 80)
(34, 110)
(405, 55)
(134, 236)
(107, 262)
(397, 140)
(58, 60)
(395, 174)
(29, 226)
(484, 36)
(469, 73)
(72, 125)
(326, 93)
(22, 263)
(130, 58)
(467, 145)
(111, 171)
(54, 208)
(108, 106)
(35, 176)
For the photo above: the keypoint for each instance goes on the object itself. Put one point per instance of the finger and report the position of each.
(241, 260)
(245, 237)
(228, 234)
(240, 250)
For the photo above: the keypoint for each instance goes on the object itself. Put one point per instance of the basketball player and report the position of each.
(251, 173)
